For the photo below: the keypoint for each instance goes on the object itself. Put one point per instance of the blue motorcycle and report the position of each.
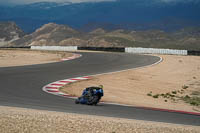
(90, 96)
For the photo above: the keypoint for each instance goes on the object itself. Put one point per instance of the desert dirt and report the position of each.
(132, 86)
(18, 57)
(18, 120)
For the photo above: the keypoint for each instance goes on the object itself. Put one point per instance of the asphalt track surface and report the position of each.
(22, 87)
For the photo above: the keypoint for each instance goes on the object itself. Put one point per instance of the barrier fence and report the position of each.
(55, 48)
(110, 49)
(26, 47)
(155, 51)
(120, 49)
(190, 52)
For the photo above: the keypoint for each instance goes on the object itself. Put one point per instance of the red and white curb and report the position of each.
(53, 88)
(72, 57)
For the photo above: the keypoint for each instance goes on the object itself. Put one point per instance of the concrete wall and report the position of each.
(155, 51)
(55, 48)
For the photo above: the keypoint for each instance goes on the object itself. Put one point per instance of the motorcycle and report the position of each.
(90, 96)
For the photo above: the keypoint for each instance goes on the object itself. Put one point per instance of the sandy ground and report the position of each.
(16, 57)
(18, 120)
(132, 86)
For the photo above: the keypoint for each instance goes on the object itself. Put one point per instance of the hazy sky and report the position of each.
(75, 1)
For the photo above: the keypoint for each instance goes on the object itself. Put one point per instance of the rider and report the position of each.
(91, 95)
(100, 89)
(96, 94)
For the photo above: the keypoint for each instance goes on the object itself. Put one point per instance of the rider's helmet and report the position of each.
(101, 86)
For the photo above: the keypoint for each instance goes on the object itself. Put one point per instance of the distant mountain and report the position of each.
(9, 32)
(48, 34)
(62, 35)
(44, 5)
(98, 31)
(121, 14)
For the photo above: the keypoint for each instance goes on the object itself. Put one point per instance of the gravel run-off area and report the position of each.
(18, 120)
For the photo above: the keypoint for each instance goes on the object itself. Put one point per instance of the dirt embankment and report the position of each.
(165, 85)
(19, 57)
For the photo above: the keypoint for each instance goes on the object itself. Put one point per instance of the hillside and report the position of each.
(9, 32)
(63, 35)
(50, 34)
